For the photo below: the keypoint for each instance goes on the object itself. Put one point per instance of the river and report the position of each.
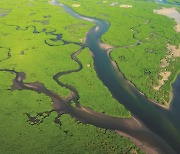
(163, 122)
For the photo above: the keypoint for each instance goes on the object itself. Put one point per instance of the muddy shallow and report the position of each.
(154, 129)
(162, 122)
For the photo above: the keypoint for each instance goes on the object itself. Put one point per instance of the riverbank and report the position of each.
(26, 115)
(130, 126)
(119, 87)
(64, 130)
(146, 29)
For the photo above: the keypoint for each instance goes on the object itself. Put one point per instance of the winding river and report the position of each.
(163, 122)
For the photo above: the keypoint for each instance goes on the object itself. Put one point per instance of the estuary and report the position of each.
(162, 122)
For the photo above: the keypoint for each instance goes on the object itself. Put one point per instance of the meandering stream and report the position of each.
(164, 123)
(156, 130)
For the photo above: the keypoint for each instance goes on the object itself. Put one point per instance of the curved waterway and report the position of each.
(163, 122)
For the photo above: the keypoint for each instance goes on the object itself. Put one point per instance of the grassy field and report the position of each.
(26, 29)
(141, 64)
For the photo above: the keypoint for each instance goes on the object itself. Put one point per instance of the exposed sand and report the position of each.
(165, 11)
(106, 46)
(174, 52)
(177, 28)
(76, 5)
(164, 63)
(125, 6)
(165, 76)
(171, 13)
(88, 65)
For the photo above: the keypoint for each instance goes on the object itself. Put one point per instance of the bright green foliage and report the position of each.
(93, 93)
(23, 48)
(18, 136)
(139, 63)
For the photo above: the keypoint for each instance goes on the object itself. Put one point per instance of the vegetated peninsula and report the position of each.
(89, 76)
(140, 44)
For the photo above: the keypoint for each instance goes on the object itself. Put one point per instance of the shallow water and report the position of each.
(164, 123)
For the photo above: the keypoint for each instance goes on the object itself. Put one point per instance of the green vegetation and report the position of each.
(24, 30)
(93, 94)
(18, 136)
(29, 43)
(140, 64)
(173, 1)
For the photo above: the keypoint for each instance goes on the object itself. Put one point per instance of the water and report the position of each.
(162, 122)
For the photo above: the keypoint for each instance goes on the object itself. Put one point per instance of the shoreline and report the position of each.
(171, 13)
(144, 136)
(108, 50)
(127, 127)
(138, 143)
